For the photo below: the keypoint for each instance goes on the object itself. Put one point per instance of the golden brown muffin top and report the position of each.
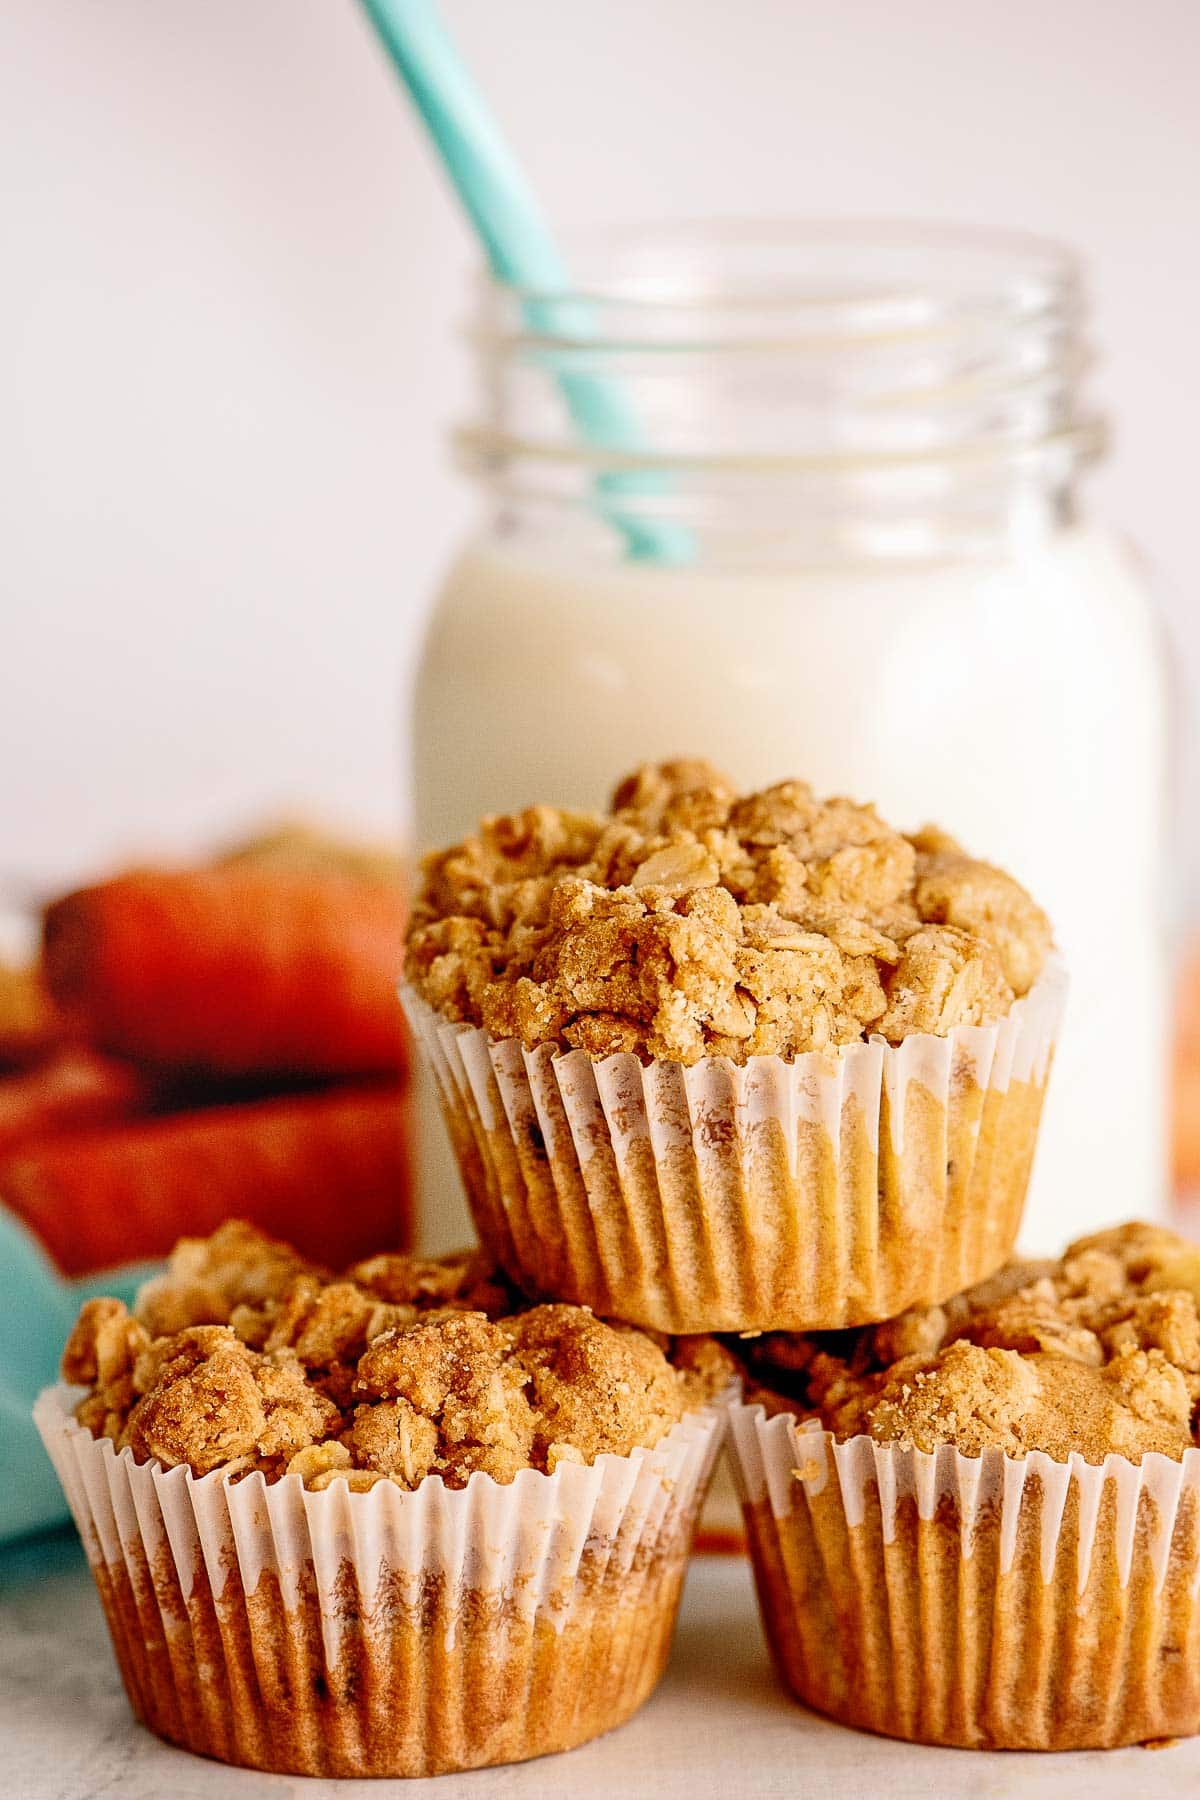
(245, 1356)
(1098, 1352)
(691, 922)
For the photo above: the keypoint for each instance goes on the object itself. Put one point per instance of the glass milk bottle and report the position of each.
(848, 544)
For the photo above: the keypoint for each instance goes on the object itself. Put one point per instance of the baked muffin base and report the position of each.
(386, 1633)
(835, 1190)
(984, 1602)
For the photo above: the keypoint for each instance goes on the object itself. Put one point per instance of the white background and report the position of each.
(231, 282)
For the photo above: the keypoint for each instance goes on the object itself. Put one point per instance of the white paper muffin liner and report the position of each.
(836, 1189)
(385, 1632)
(986, 1601)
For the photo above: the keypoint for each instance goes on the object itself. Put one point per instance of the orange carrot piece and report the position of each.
(1185, 1128)
(719, 1540)
(234, 970)
(76, 1089)
(1185, 1096)
(31, 1025)
(1187, 1006)
(328, 1172)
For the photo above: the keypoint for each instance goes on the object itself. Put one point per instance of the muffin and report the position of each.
(387, 1523)
(713, 1063)
(977, 1524)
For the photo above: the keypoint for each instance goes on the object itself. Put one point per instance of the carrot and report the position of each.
(75, 1089)
(326, 1171)
(305, 849)
(235, 970)
(1185, 1107)
(1187, 1006)
(719, 1540)
(1185, 1131)
(31, 1026)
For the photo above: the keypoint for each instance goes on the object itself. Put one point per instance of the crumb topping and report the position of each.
(1097, 1353)
(243, 1356)
(692, 922)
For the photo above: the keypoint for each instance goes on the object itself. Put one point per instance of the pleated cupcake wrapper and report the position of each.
(836, 1189)
(986, 1601)
(385, 1632)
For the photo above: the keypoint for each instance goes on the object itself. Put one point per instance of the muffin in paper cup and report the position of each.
(833, 1189)
(385, 1632)
(989, 1601)
(734, 1062)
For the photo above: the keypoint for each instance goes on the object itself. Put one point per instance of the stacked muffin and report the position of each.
(715, 1063)
(758, 1066)
(978, 1524)
(393, 1522)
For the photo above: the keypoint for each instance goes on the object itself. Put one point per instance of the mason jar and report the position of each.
(826, 523)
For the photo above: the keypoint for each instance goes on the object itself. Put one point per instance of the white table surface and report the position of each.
(718, 1727)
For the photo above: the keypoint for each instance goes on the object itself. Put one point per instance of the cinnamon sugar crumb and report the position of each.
(1097, 1353)
(243, 1356)
(689, 922)
(207, 1277)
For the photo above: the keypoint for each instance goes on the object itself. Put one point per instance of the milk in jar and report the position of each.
(878, 576)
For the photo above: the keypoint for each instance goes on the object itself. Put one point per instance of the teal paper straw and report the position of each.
(519, 248)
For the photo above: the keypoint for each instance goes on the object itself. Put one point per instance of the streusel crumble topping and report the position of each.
(691, 922)
(1098, 1352)
(244, 1356)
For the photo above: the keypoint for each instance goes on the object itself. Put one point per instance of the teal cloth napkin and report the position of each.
(37, 1310)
